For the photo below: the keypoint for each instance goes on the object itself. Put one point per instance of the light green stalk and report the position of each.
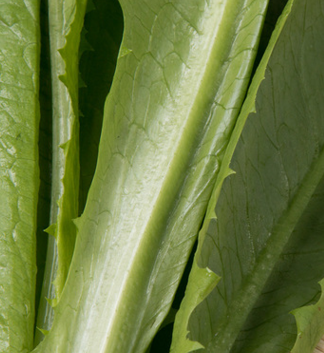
(180, 81)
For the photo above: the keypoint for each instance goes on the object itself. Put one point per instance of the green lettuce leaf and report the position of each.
(19, 174)
(181, 77)
(65, 24)
(201, 279)
(266, 243)
(310, 324)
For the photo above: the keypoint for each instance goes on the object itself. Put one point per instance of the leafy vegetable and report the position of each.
(310, 326)
(266, 243)
(65, 24)
(19, 109)
(178, 119)
(140, 205)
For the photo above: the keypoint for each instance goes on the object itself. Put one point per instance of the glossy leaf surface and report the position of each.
(19, 174)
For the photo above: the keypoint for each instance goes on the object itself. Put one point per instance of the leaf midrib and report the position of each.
(201, 101)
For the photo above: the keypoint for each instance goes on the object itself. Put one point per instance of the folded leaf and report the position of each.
(65, 24)
(267, 244)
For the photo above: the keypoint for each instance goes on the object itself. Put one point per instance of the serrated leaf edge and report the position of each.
(183, 344)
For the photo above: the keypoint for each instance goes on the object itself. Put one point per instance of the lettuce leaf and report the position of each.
(266, 243)
(65, 24)
(180, 81)
(310, 324)
(174, 129)
(19, 174)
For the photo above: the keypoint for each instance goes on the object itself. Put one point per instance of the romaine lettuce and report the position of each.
(183, 111)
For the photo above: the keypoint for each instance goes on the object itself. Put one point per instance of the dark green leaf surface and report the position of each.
(45, 152)
(181, 76)
(267, 242)
(19, 175)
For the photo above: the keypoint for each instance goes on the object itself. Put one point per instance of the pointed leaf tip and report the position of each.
(51, 230)
(44, 332)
